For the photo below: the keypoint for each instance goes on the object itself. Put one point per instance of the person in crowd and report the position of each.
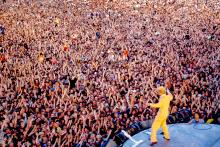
(196, 120)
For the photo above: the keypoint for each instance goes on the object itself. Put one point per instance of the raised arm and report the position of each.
(169, 94)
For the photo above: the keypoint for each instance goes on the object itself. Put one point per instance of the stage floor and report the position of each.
(182, 135)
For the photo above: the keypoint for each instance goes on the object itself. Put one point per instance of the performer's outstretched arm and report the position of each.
(158, 105)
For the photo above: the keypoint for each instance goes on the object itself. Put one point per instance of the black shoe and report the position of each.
(153, 143)
(166, 139)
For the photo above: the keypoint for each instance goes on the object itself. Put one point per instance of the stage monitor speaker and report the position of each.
(147, 124)
(120, 138)
(111, 143)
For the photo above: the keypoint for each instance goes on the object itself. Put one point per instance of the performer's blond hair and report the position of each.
(161, 90)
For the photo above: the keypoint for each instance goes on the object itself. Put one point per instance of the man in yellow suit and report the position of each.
(160, 119)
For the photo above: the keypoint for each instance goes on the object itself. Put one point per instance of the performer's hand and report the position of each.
(168, 84)
(149, 104)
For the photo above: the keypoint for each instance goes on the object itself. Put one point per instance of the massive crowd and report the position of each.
(74, 73)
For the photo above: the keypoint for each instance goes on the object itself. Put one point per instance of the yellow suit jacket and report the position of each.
(163, 105)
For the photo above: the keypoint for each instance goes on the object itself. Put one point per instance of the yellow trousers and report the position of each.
(159, 122)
